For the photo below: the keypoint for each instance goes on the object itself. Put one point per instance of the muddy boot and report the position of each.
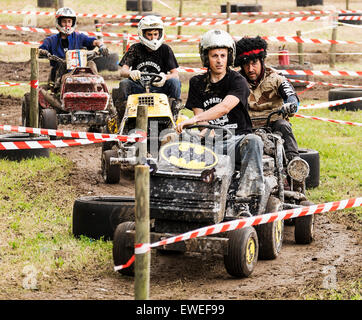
(176, 106)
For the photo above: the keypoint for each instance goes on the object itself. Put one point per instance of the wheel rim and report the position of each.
(104, 167)
(250, 250)
(278, 229)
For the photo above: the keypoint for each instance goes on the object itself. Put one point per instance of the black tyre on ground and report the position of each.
(304, 227)
(242, 254)
(46, 3)
(271, 234)
(305, 3)
(109, 62)
(21, 154)
(345, 93)
(110, 173)
(132, 5)
(350, 21)
(122, 252)
(312, 157)
(97, 217)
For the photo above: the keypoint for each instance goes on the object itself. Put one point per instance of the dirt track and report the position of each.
(298, 271)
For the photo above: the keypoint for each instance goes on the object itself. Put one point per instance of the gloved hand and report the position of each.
(135, 75)
(104, 50)
(44, 53)
(289, 109)
(161, 82)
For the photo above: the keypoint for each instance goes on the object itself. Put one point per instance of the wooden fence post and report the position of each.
(139, 7)
(300, 49)
(180, 15)
(332, 56)
(59, 4)
(142, 212)
(228, 8)
(34, 78)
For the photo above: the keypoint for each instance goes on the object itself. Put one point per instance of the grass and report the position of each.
(35, 218)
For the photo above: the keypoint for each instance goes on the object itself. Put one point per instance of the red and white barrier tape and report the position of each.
(46, 144)
(326, 83)
(329, 120)
(127, 16)
(272, 13)
(246, 222)
(350, 18)
(32, 83)
(330, 103)
(74, 134)
(293, 72)
(12, 84)
(322, 73)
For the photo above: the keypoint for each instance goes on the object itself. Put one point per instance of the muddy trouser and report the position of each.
(290, 144)
(172, 88)
(246, 152)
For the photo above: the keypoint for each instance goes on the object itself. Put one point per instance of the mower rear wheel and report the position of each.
(271, 234)
(242, 252)
(304, 227)
(110, 173)
(121, 251)
(25, 109)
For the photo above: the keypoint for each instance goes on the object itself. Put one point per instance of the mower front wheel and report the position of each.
(242, 254)
(110, 173)
(48, 119)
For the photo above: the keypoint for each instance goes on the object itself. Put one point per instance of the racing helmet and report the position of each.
(65, 12)
(250, 49)
(214, 39)
(151, 23)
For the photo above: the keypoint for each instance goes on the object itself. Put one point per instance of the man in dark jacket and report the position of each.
(269, 91)
(67, 39)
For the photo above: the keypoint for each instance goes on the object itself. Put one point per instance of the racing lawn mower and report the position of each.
(162, 114)
(192, 187)
(82, 99)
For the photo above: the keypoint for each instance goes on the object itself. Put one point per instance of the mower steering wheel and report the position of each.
(225, 134)
(148, 78)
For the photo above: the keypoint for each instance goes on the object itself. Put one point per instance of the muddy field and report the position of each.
(298, 271)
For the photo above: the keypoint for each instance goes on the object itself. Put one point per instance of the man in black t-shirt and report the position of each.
(151, 55)
(220, 97)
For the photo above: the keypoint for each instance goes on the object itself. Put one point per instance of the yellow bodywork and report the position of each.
(158, 105)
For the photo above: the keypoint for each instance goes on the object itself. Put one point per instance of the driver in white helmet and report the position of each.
(220, 97)
(150, 55)
(67, 39)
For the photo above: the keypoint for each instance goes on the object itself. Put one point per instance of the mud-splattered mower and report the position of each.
(194, 187)
(162, 116)
(82, 98)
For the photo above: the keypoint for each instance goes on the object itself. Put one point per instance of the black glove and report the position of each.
(103, 50)
(288, 109)
(44, 53)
